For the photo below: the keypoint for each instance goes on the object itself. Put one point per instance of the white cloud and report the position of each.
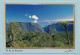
(63, 20)
(45, 21)
(29, 16)
(58, 20)
(35, 17)
(35, 21)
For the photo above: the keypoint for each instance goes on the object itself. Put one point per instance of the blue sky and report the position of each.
(41, 14)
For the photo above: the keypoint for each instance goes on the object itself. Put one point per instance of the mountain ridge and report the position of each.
(31, 27)
(59, 27)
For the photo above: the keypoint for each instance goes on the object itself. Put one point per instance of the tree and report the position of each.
(64, 25)
(51, 29)
(16, 32)
(53, 36)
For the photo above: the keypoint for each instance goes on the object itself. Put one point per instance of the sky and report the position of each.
(41, 14)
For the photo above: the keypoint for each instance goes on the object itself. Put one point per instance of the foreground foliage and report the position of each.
(17, 37)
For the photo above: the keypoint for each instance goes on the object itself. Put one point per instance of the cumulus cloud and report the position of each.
(35, 17)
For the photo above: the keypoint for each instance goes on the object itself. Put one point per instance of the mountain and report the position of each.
(49, 29)
(58, 27)
(29, 27)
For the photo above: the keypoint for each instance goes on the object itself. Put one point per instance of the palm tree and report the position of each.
(64, 25)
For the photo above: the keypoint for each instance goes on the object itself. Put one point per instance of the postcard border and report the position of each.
(40, 47)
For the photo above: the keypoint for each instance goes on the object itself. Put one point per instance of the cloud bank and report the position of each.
(63, 20)
(58, 20)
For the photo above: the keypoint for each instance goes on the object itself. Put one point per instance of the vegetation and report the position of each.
(64, 25)
(17, 37)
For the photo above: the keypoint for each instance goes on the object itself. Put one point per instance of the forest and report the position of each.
(16, 36)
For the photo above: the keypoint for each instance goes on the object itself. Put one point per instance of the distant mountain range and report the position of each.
(28, 27)
(58, 27)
